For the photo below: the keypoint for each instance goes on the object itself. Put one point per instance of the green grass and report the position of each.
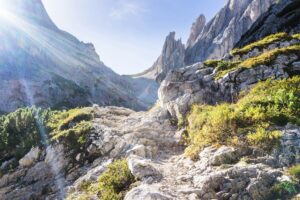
(249, 121)
(266, 58)
(283, 190)
(111, 185)
(71, 127)
(261, 43)
(295, 171)
(296, 36)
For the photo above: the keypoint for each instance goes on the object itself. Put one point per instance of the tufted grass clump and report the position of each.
(248, 121)
(111, 185)
(294, 171)
(261, 43)
(283, 190)
(223, 67)
(269, 57)
(71, 127)
(296, 36)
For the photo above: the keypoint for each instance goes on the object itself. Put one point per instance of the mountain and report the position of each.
(210, 40)
(282, 17)
(44, 66)
(220, 34)
(172, 57)
(221, 129)
(146, 84)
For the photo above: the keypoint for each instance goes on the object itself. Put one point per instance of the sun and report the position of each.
(5, 8)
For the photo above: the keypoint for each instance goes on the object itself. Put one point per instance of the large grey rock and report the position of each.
(143, 169)
(30, 158)
(146, 193)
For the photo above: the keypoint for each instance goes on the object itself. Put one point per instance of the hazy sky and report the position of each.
(128, 34)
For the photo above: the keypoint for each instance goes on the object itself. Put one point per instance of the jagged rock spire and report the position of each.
(196, 30)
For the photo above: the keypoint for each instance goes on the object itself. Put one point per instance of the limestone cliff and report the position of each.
(221, 33)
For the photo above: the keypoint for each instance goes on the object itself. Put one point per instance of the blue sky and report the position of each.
(128, 34)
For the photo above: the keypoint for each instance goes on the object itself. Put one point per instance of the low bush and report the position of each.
(283, 190)
(29, 127)
(20, 131)
(249, 121)
(111, 185)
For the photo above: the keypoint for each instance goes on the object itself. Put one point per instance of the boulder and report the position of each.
(30, 158)
(143, 169)
(145, 192)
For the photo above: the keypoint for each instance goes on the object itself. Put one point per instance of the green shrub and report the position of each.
(249, 121)
(264, 138)
(262, 43)
(295, 171)
(111, 185)
(283, 189)
(29, 127)
(20, 131)
(71, 127)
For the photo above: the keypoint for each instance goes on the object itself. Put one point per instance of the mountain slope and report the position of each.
(44, 66)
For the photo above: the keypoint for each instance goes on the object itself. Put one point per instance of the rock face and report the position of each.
(282, 17)
(44, 66)
(197, 83)
(172, 57)
(196, 30)
(221, 34)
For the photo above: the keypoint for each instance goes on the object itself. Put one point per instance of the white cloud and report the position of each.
(126, 8)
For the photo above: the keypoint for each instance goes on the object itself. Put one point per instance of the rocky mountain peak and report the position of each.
(225, 29)
(172, 57)
(196, 30)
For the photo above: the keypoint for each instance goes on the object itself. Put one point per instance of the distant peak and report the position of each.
(172, 35)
